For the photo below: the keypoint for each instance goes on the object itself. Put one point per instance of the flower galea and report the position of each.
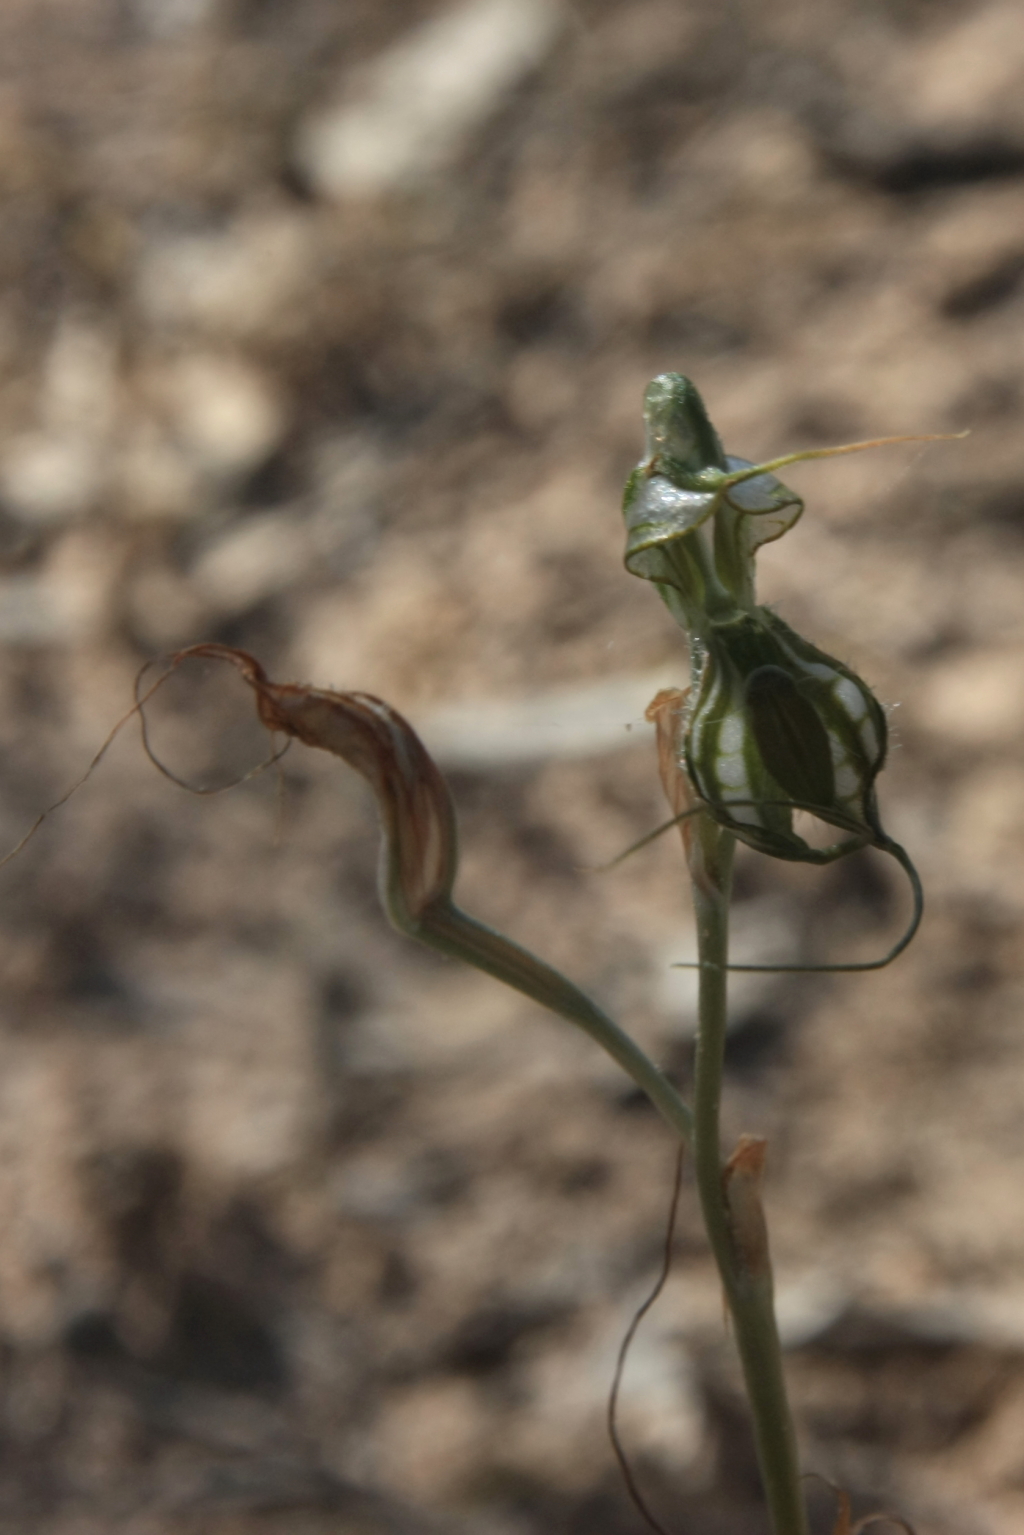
(773, 723)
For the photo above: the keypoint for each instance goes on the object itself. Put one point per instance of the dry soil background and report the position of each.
(323, 329)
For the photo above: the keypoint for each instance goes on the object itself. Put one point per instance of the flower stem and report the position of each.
(450, 931)
(736, 1230)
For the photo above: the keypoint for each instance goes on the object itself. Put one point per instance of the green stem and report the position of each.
(748, 1290)
(444, 927)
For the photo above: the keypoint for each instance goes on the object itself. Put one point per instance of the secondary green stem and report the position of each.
(748, 1287)
(445, 928)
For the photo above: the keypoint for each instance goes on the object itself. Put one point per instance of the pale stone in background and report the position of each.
(416, 105)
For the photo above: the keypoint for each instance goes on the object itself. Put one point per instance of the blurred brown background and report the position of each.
(324, 326)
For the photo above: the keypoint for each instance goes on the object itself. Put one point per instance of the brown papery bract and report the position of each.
(844, 1524)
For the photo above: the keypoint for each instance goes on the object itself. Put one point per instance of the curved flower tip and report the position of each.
(680, 437)
(419, 852)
